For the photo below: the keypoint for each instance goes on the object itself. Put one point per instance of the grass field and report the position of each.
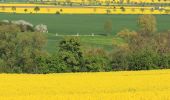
(85, 24)
(139, 85)
(87, 42)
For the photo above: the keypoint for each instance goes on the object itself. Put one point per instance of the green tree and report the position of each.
(71, 54)
(142, 9)
(108, 11)
(108, 27)
(30, 46)
(25, 10)
(36, 9)
(19, 51)
(96, 60)
(8, 44)
(119, 59)
(13, 9)
(147, 24)
(127, 34)
(123, 9)
(143, 60)
(56, 65)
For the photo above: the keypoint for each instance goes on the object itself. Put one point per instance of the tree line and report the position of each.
(143, 49)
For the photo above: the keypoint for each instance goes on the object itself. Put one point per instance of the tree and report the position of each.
(114, 8)
(152, 9)
(36, 9)
(24, 25)
(56, 64)
(13, 9)
(123, 9)
(25, 10)
(108, 26)
(147, 24)
(108, 11)
(30, 46)
(8, 45)
(71, 54)
(119, 59)
(144, 59)
(96, 60)
(18, 51)
(2, 66)
(142, 9)
(127, 34)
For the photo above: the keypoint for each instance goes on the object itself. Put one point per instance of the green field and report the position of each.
(88, 42)
(85, 24)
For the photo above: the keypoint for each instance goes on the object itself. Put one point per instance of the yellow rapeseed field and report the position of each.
(115, 1)
(51, 9)
(139, 85)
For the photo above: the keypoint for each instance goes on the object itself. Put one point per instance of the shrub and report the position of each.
(96, 60)
(24, 25)
(41, 28)
(70, 53)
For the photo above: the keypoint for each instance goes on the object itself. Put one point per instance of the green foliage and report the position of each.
(164, 61)
(56, 65)
(96, 60)
(70, 53)
(147, 24)
(13, 8)
(9, 28)
(36, 9)
(41, 65)
(143, 60)
(119, 59)
(144, 51)
(22, 51)
(19, 50)
(108, 26)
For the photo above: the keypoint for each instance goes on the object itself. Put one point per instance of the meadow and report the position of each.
(85, 24)
(128, 85)
(88, 42)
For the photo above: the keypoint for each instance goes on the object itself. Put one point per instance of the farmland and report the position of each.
(85, 24)
(88, 42)
(84, 49)
(140, 85)
(65, 7)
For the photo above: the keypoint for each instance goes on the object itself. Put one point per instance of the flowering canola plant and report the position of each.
(51, 9)
(130, 85)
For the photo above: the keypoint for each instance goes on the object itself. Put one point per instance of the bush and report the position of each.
(41, 28)
(56, 65)
(96, 60)
(120, 60)
(143, 60)
(57, 12)
(70, 53)
(24, 25)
